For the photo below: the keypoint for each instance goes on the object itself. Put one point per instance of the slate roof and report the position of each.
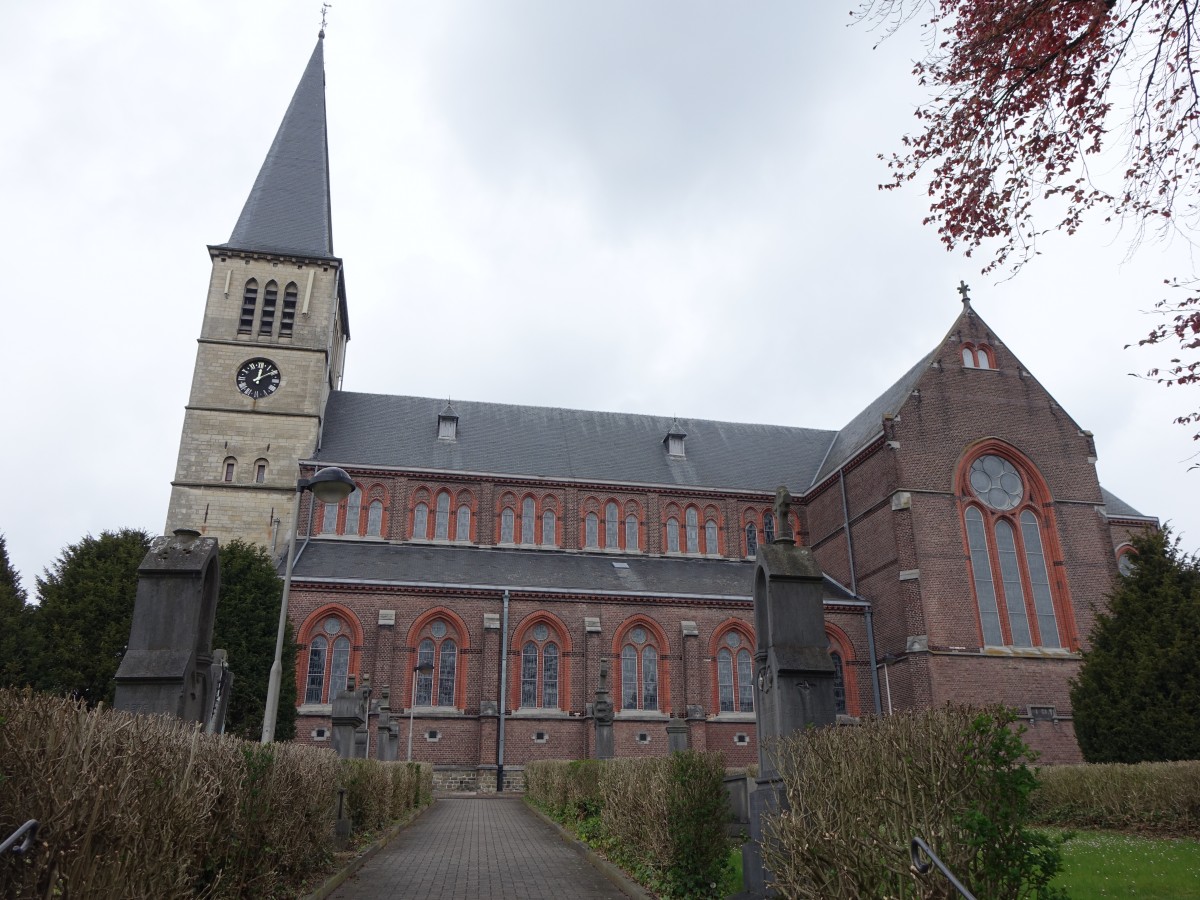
(536, 570)
(1116, 507)
(383, 430)
(364, 430)
(288, 209)
(859, 430)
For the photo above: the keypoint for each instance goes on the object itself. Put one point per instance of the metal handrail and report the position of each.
(29, 829)
(922, 868)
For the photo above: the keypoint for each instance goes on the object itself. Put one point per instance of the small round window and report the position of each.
(996, 482)
(438, 629)
(332, 625)
(733, 639)
(1125, 563)
(540, 632)
(638, 635)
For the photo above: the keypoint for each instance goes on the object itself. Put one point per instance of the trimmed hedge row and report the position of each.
(141, 806)
(663, 819)
(1160, 797)
(856, 797)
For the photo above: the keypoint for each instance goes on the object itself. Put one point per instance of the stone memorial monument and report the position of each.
(351, 710)
(794, 685)
(602, 713)
(168, 668)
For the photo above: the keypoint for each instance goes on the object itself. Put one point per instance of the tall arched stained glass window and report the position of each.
(1005, 511)
(441, 524)
(462, 524)
(839, 684)
(447, 668)
(591, 531)
(692, 525)
(353, 510)
(985, 589)
(314, 690)
(420, 522)
(1039, 579)
(711, 546)
(549, 528)
(632, 539)
(768, 527)
(339, 668)
(508, 525)
(649, 678)
(612, 526)
(751, 539)
(375, 518)
(528, 521)
(672, 535)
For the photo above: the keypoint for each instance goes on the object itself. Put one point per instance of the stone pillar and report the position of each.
(602, 711)
(349, 715)
(167, 668)
(794, 671)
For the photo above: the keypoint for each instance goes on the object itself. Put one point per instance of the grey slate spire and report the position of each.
(287, 211)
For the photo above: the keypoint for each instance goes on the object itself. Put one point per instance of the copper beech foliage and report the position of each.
(1025, 94)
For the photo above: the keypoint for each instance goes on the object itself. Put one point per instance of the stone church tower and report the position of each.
(272, 344)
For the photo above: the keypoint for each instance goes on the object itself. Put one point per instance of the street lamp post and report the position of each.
(423, 669)
(330, 485)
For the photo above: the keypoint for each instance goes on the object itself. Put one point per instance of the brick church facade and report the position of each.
(963, 533)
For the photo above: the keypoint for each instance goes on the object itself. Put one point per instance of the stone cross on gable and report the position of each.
(964, 291)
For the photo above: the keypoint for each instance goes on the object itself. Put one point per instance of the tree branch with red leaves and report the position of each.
(1025, 94)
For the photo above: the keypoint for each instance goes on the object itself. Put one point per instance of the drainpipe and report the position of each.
(874, 667)
(503, 695)
(849, 540)
(865, 606)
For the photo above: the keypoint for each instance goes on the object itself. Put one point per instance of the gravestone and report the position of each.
(794, 685)
(349, 721)
(388, 739)
(602, 713)
(221, 679)
(168, 664)
(677, 735)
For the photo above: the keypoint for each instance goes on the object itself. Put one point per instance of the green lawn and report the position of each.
(1110, 864)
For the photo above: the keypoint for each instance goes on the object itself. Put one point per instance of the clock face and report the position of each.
(258, 378)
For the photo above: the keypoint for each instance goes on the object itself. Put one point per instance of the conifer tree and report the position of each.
(13, 641)
(1137, 697)
(81, 624)
(247, 622)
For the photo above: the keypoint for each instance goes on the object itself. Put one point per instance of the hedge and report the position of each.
(148, 806)
(1162, 798)
(663, 819)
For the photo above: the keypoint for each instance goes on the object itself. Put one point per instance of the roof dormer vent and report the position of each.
(448, 423)
(674, 440)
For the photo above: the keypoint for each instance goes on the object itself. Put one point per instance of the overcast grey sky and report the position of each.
(620, 206)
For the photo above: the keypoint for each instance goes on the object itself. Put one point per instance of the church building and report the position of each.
(964, 536)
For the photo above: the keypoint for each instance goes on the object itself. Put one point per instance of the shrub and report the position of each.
(662, 819)
(1154, 797)
(857, 796)
(147, 806)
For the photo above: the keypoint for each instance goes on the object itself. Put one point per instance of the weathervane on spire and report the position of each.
(965, 291)
(324, 8)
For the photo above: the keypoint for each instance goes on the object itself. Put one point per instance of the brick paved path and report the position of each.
(467, 847)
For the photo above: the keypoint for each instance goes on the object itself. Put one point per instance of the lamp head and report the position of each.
(424, 668)
(330, 485)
